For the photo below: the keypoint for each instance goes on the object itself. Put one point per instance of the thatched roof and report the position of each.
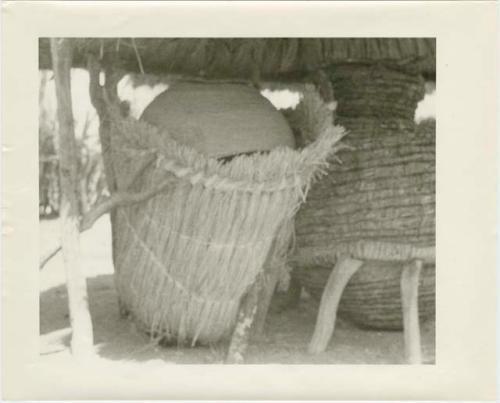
(272, 58)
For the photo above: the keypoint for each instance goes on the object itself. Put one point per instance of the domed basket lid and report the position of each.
(219, 120)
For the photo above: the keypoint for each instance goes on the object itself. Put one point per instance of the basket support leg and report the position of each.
(265, 296)
(325, 323)
(293, 294)
(409, 296)
(241, 333)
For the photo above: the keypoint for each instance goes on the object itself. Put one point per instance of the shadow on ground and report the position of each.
(287, 335)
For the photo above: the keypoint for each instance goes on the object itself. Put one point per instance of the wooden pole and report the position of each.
(273, 269)
(81, 324)
(409, 297)
(97, 98)
(293, 294)
(264, 300)
(241, 333)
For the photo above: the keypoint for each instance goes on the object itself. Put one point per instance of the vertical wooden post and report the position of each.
(97, 99)
(96, 92)
(325, 324)
(409, 297)
(241, 333)
(273, 269)
(265, 296)
(81, 324)
(293, 294)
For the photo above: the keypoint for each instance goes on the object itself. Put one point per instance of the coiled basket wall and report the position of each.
(382, 192)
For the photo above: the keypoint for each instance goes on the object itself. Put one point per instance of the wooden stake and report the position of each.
(293, 294)
(273, 268)
(264, 300)
(81, 324)
(325, 324)
(96, 92)
(409, 297)
(246, 314)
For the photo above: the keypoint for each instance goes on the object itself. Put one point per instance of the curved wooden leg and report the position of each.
(409, 297)
(325, 323)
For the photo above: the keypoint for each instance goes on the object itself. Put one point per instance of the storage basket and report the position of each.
(185, 257)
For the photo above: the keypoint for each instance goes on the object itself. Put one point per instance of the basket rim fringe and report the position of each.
(238, 174)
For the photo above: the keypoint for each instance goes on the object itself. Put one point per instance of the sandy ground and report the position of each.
(120, 344)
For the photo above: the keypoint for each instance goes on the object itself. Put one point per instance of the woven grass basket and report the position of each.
(185, 257)
(383, 192)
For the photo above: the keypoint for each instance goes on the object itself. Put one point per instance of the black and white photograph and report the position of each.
(249, 200)
(238, 200)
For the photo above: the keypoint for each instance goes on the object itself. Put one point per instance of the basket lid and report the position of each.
(219, 120)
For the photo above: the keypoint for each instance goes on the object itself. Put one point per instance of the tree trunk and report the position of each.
(97, 98)
(47, 161)
(81, 324)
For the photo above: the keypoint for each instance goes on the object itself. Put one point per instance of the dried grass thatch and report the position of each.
(270, 58)
(186, 256)
(310, 117)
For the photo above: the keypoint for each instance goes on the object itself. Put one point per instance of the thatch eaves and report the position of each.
(270, 58)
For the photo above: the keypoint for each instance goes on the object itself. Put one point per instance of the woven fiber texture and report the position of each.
(186, 256)
(365, 91)
(382, 194)
(390, 200)
(382, 191)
